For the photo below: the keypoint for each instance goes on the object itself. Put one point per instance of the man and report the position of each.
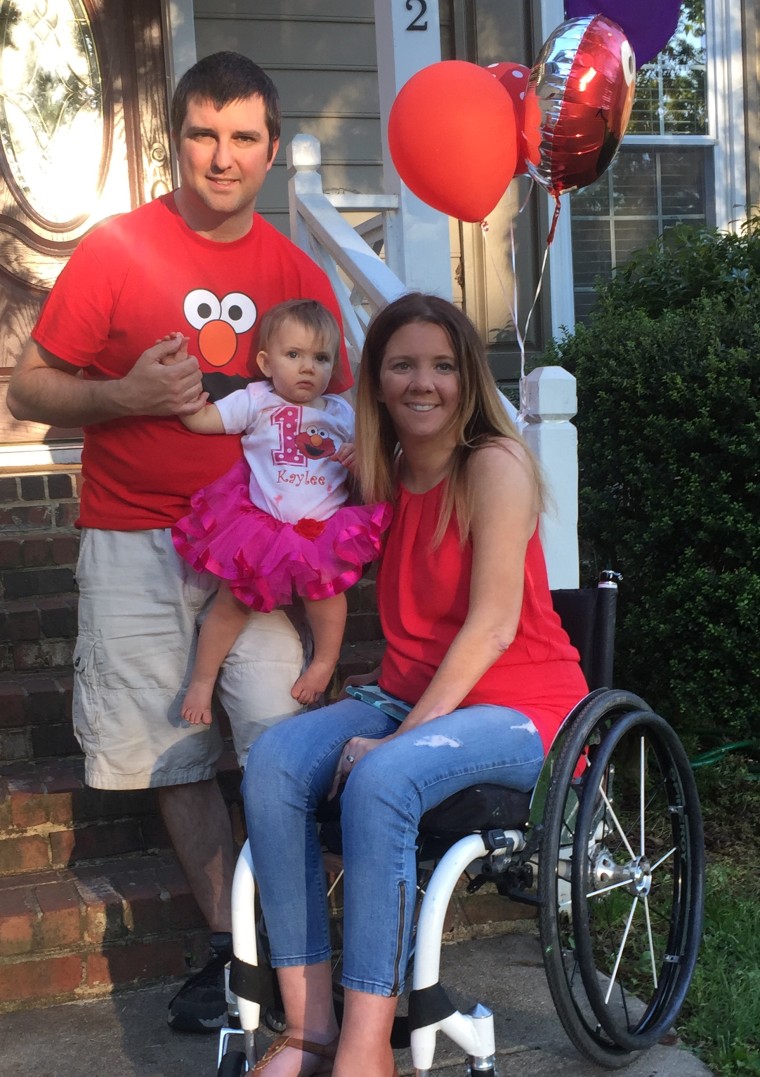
(197, 263)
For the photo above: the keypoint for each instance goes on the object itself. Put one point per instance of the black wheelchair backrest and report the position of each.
(588, 617)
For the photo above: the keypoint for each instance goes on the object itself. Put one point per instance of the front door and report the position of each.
(83, 135)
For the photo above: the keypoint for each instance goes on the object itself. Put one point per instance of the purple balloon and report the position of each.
(647, 25)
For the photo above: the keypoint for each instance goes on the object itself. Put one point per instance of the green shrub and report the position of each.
(669, 454)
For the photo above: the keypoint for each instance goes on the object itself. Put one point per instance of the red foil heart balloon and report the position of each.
(578, 103)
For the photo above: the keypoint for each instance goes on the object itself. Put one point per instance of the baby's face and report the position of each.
(299, 366)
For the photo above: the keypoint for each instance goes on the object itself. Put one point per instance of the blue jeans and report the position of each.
(290, 770)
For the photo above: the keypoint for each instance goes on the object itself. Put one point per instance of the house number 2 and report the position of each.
(417, 23)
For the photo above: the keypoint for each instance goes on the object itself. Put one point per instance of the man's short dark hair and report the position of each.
(222, 78)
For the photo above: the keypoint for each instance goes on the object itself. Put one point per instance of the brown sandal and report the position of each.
(326, 1051)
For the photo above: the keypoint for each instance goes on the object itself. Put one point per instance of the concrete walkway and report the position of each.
(126, 1036)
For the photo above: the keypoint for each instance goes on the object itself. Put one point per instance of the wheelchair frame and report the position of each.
(611, 853)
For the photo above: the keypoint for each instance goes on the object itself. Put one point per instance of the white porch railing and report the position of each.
(364, 283)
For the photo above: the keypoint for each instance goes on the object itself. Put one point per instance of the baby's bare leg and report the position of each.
(327, 619)
(222, 626)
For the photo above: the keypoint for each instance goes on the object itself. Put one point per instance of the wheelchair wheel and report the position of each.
(620, 879)
(637, 885)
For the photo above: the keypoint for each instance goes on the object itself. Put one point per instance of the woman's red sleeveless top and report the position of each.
(423, 598)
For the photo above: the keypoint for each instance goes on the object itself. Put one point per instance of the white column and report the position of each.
(550, 404)
(726, 104)
(408, 38)
(560, 267)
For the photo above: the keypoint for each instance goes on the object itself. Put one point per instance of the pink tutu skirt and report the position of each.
(264, 560)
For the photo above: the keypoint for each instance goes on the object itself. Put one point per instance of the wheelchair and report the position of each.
(608, 847)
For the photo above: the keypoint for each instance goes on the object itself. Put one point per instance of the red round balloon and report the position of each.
(452, 137)
(580, 94)
(514, 79)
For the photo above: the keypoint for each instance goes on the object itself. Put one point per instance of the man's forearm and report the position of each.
(46, 389)
(58, 398)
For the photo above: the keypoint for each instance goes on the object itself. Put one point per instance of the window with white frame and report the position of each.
(663, 174)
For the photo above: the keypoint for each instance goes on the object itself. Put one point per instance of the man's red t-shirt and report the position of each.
(130, 282)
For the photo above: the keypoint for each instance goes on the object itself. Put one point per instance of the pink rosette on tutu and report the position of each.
(266, 561)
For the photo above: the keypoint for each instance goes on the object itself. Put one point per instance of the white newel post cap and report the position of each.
(550, 395)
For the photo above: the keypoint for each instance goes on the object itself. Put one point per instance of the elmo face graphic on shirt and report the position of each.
(219, 322)
(314, 443)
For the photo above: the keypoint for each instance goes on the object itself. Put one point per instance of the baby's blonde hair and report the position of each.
(308, 313)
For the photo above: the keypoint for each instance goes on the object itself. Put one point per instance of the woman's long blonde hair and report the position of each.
(481, 418)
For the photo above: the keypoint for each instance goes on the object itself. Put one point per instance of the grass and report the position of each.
(721, 1018)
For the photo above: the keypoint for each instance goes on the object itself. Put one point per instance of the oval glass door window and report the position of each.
(51, 107)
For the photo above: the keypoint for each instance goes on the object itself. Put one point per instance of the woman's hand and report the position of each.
(353, 750)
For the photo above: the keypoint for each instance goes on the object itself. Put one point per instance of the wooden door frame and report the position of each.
(150, 165)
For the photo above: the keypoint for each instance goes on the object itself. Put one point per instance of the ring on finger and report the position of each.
(349, 758)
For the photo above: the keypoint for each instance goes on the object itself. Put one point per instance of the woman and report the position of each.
(476, 659)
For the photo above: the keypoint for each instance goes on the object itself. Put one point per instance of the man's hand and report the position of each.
(46, 389)
(181, 353)
(165, 380)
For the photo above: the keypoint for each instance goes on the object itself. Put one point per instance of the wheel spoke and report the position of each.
(620, 885)
(337, 879)
(613, 977)
(663, 858)
(642, 790)
(616, 821)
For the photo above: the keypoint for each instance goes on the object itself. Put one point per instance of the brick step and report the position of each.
(91, 896)
(92, 899)
(81, 932)
(358, 658)
(50, 820)
(35, 715)
(43, 500)
(39, 617)
(43, 548)
(85, 931)
(40, 581)
(37, 635)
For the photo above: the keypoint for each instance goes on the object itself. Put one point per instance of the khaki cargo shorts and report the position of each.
(140, 609)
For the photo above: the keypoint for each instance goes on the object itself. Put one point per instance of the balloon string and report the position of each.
(527, 324)
(549, 239)
(555, 218)
(511, 306)
(538, 290)
(531, 185)
(484, 226)
(515, 312)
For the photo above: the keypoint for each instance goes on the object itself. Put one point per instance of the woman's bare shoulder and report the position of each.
(503, 471)
(505, 454)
